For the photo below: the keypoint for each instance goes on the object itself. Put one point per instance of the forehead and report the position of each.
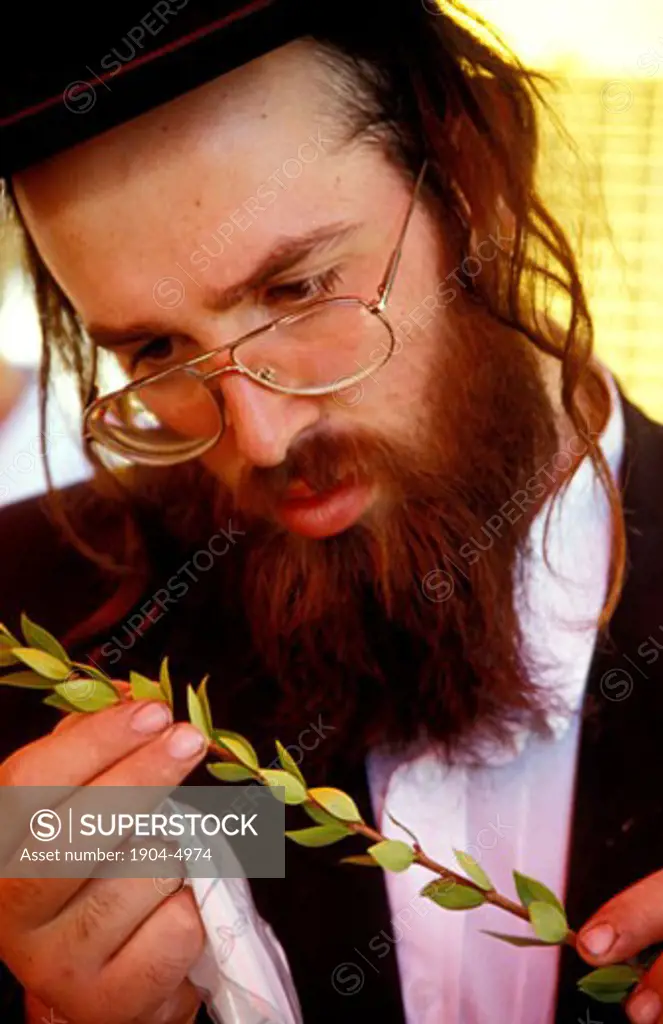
(244, 158)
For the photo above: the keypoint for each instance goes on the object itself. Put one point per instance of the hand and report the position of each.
(105, 951)
(623, 927)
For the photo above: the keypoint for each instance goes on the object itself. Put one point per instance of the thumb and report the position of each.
(626, 924)
(181, 1008)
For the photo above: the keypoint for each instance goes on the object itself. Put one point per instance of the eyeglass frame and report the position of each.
(376, 307)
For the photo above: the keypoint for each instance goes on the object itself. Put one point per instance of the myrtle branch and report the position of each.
(39, 661)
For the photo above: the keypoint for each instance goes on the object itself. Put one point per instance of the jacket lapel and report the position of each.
(334, 923)
(618, 811)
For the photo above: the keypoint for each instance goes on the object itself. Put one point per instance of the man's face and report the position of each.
(349, 502)
(146, 226)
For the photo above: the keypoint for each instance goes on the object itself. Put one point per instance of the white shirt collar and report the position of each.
(561, 597)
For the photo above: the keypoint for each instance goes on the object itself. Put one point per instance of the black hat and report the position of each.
(71, 70)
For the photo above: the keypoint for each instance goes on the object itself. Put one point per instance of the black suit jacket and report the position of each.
(333, 921)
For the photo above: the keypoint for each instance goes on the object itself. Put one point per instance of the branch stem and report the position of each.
(490, 895)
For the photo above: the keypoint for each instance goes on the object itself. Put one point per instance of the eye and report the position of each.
(305, 290)
(157, 351)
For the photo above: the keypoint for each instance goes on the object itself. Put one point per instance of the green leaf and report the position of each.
(288, 763)
(56, 701)
(97, 697)
(318, 815)
(609, 984)
(37, 636)
(201, 693)
(238, 746)
(319, 835)
(80, 689)
(363, 859)
(93, 672)
(548, 923)
(45, 664)
(473, 870)
(294, 793)
(529, 890)
(337, 803)
(517, 940)
(229, 772)
(7, 639)
(143, 688)
(30, 680)
(392, 854)
(7, 657)
(196, 712)
(453, 896)
(166, 685)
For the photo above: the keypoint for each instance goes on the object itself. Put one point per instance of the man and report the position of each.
(390, 519)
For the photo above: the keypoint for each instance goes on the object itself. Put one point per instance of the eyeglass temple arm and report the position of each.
(392, 267)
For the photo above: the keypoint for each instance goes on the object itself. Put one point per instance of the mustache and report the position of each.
(323, 461)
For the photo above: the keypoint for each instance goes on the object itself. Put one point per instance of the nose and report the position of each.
(264, 423)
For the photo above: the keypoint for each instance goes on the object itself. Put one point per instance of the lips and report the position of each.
(299, 489)
(319, 514)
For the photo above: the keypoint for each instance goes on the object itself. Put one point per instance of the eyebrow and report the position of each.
(287, 253)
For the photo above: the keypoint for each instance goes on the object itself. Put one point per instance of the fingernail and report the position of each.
(599, 939)
(151, 717)
(645, 1008)
(185, 741)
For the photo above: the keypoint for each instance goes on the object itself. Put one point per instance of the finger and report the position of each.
(28, 903)
(645, 1005)
(70, 756)
(626, 924)
(37, 1010)
(101, 917)
(73, 756)
(181, 1008)
(154, 963)
(654, 977)
(68, 719)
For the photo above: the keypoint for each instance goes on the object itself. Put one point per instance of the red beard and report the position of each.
(392, 632)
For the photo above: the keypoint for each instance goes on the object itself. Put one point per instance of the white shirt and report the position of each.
(516, 813)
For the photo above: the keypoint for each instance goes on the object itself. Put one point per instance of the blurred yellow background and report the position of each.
(606, 58)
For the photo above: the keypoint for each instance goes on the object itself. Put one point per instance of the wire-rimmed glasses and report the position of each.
(324, 347)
